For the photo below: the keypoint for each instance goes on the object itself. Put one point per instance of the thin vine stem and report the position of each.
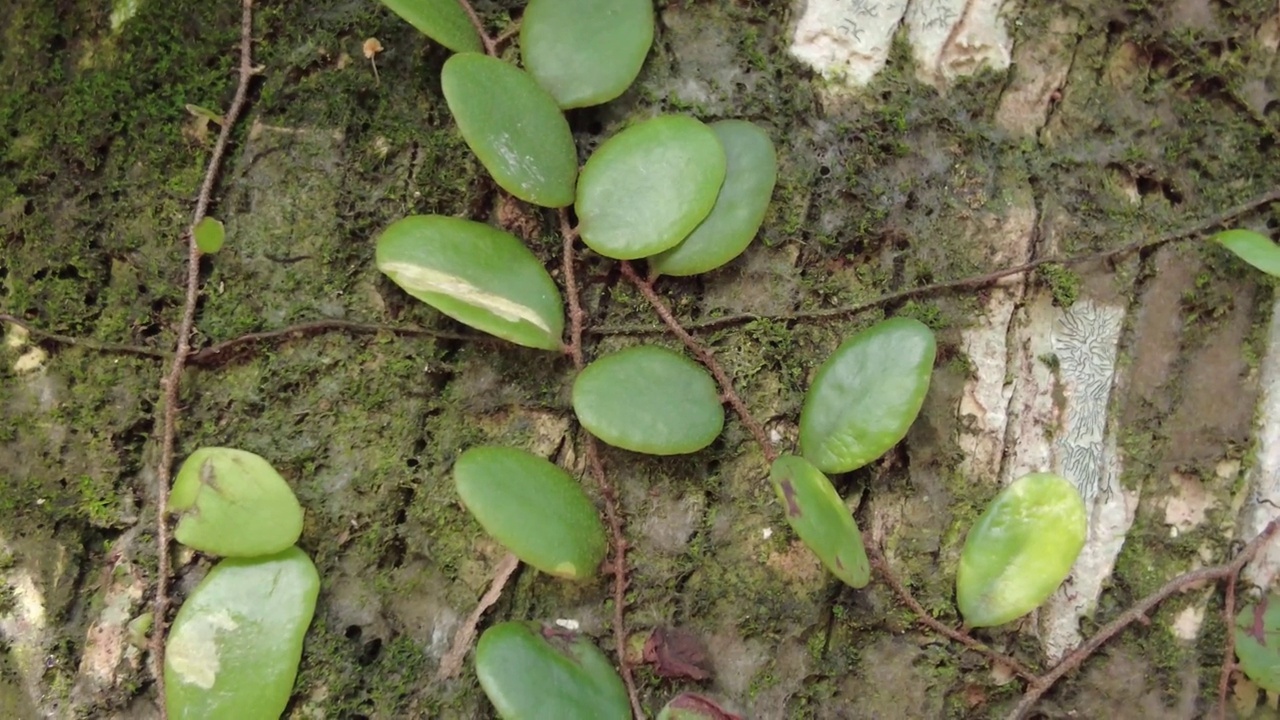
(490, 47)
(171, 382)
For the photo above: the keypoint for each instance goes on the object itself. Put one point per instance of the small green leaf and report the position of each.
(586, 52)
(649, 399)
(866, 395)
(234, 648)
(533, 508)
(646, 188)
(740, 206)
(209, 235)
(1257, 629)
(818, 515)
(1020, 550)
(441, 20)
(233, 503)
(513, 126)
(530, 670)
(475, 274)
(1253, 248)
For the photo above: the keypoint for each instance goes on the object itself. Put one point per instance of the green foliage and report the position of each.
(533, 508)
(234, 648)
(513, 126)
(646, 188)
(1252, 247)
(866, 395)
(1020, 549)
(530, 670)
(209, 234)
(586, 52)
(751, 171)
(818, 515)
(233, 503)
(649, 399)
(1257, 629)
(441, 20)
(475, 274)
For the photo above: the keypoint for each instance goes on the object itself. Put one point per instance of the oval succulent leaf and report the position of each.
(646, 188)
(533, 508)
(740, 207)
(1020, 550)
(209, 234)
(513, 126)
(821, 519)
(233, 503)
(866, 395)
(475, 274)
(441, 20)
(649, 399)
(1254, 248)
(1257, 629)
(530, 670)
(234, 647)
(586, 52)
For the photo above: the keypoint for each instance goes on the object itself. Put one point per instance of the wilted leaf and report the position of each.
(513, 126)
(209, 234)
(646, 188)
(233, 503)
(234, 648)
(815, 511)
(650, 400)
(585, 52)
(441, 20)
(740, 207)
(530, 670)
(866, 395)
(676, 653)
(475, 274)
(1258, 642)
(1254, 248)
(1020, 549)
(692, 706)
(533, 508)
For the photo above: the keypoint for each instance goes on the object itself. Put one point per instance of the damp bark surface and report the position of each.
(1065, 129)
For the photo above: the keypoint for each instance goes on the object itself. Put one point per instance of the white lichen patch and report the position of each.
(1186, 626)
(1187, 504)
(193, 649)
(417, 278)
(847, 40)
(951, 38)
(1263, 504)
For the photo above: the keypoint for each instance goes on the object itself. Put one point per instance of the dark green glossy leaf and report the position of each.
(530, 670)
(475, 274)
(821, 519)
(441, 20)
(1257, 629)
(740, 207)
(209, 234)
(866, 395)
(513, 126)
(650, 400)
(533, 508)
(233, 503)
(586, 52)
(1020, 550)
(234, 647)
(645, 189)
(1254, 248)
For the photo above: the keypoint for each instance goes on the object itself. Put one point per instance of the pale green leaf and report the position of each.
(586, 52)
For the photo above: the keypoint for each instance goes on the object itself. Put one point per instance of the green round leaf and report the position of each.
(233, 503)
(645, 189)
(1020, 550)
(740, 206)
(530, 670)
(475, 274)
(513, 126)
(821, 519)
(866, 395)
(234, 647)
(1253, 248)
(650, 400)
(586, 52)
(1257, 629)
(209, 234)
(441, 20)
(533, 508)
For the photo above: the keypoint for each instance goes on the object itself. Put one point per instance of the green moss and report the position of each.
(1063, 283)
